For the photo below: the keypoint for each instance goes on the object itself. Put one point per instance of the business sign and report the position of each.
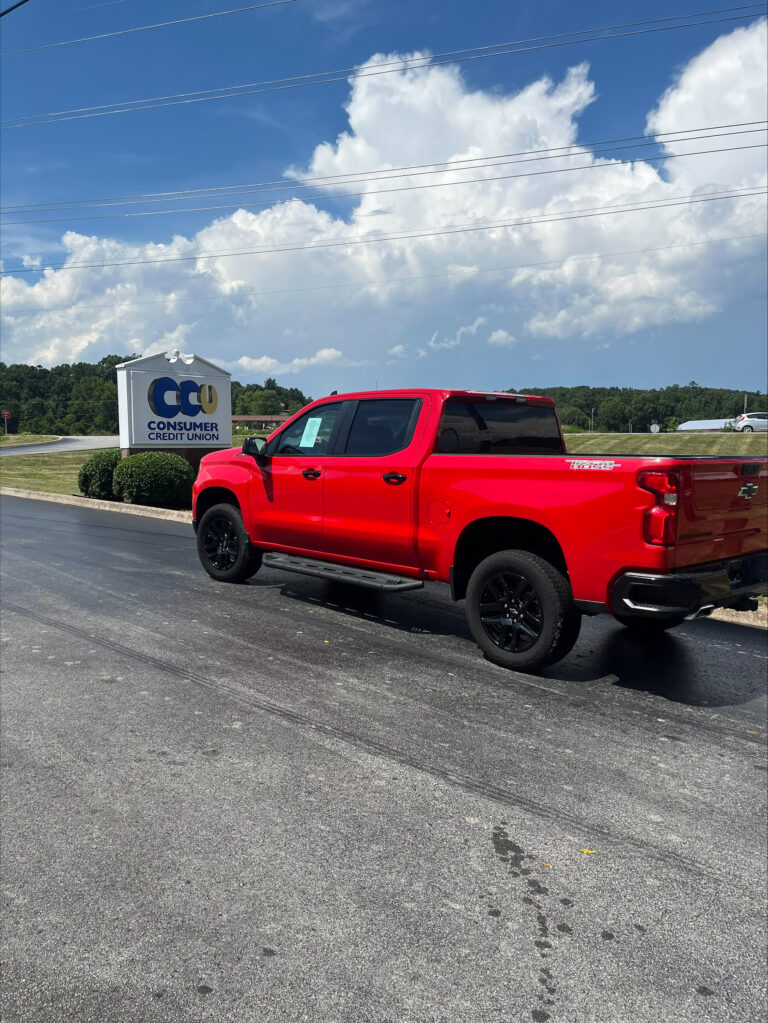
(174, 400)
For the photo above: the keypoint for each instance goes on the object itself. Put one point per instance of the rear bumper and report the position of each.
(717, 584)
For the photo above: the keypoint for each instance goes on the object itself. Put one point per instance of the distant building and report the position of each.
(262, 422)
(704, 425)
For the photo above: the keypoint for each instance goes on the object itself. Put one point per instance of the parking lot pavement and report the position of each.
(292, 801)
(63, 444)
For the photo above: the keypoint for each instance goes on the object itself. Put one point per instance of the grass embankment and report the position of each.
(735, 444)
(13, 440)
(57, 473)
(49, 473)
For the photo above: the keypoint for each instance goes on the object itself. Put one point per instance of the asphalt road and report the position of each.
(63, 444)
(288, 801)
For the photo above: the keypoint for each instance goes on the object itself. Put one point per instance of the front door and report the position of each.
(288, 492)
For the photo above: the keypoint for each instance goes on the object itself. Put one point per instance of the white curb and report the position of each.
(113, 506)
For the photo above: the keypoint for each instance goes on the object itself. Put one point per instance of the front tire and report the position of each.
(520, 611)
(223, 545)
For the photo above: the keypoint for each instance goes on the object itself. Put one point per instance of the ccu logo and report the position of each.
(167, 397)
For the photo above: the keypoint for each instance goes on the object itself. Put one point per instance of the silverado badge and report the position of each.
(748, 490)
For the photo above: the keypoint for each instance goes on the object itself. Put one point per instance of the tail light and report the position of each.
(660, 520)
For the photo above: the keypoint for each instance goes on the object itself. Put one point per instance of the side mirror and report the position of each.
(254, 446)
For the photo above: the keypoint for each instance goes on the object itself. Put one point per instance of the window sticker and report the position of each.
(593, 463)
(309, 436)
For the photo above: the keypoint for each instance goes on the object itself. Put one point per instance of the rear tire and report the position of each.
(648, 626)
(520, 611)
(223, 546)
(747, 429)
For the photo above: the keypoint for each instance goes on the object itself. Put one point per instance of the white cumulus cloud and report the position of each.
(501, 339)
(420, 263)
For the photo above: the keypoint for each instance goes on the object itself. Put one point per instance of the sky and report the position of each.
(553, 205)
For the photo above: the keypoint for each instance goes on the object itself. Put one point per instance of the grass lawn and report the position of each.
(49, 473)
(14, 439)
(736, 444)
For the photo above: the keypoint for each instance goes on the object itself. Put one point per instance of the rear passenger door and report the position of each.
(370, 483)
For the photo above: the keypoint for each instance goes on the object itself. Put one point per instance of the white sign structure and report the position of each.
(174, 400)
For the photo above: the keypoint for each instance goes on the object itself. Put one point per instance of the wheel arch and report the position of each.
(486, 536)
(214, 495)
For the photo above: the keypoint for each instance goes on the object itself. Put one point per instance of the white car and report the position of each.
(751, 422)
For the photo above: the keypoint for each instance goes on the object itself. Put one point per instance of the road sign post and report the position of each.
(6, 417)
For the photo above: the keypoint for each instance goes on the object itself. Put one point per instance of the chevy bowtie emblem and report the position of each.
(749, 490)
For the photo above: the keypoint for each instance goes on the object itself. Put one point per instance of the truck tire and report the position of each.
(223, 545)
(648, 626)
(520, 611)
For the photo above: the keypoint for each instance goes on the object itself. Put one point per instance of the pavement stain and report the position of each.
(519, 863)
(517, 860)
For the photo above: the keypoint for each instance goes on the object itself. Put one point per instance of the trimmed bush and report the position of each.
(156, 478)
(95, 476)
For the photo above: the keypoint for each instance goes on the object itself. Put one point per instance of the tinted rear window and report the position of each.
(497, 428)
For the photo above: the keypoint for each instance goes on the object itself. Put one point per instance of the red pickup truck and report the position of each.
(392, 488)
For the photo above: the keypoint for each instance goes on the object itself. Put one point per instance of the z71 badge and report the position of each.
(593, 463)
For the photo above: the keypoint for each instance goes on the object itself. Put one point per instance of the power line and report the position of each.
(445, 184)
(361, 285)
(376, 239)
(385, 174)
(339, 75)
(13, 8)
(144, 28)
(624, 207)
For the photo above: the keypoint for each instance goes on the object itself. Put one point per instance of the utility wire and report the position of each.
(144, 28)
(624, 207)
(398, 280)
(13, 8)
(397, 64)
(375, 239)
(469, 181)
(405, 188)
(384, 174)
(326, 77)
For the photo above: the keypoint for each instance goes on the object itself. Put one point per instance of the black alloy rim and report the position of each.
(511, 612)
(221, 543)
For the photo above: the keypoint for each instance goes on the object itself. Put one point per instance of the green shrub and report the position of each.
(156, 478)
(95, 476)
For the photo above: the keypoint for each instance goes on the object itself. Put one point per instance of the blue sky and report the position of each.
(490, 288)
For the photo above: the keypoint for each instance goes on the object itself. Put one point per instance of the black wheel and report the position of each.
(747, 429)
(648, 626)
(520, 611)
(223, 545)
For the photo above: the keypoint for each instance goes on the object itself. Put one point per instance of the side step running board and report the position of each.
(342, 573)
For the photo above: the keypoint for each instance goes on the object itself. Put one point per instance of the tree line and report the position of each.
(81, 398)
(635, 410)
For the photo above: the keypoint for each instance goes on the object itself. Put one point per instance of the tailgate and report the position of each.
(723, 509)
